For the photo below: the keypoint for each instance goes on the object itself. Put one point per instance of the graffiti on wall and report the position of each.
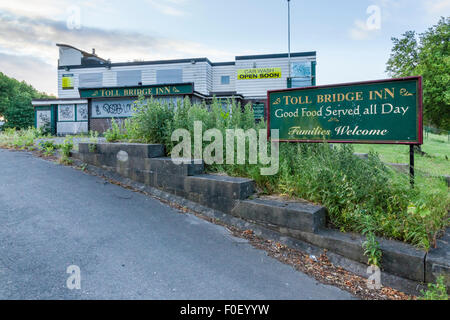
(82, 112)
(112, 108)
(43, 119)
(66, 112)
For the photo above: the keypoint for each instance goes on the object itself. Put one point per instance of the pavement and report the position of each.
(126, 245)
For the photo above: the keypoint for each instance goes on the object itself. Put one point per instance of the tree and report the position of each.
(15, 102)
(19, 113)
(404, 55)
(434, 66)
(428, 56)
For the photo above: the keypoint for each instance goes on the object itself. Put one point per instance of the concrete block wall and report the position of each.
(147, 164)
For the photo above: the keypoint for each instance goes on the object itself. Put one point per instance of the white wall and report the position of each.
(71, 127)
(257, 88)
(69, 56)
(109, 79)
(218, 72)
(206, 78)
(198, 73)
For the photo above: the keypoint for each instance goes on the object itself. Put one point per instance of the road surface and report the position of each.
(125, 244)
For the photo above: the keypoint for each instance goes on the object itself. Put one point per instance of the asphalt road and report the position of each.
(127, 245)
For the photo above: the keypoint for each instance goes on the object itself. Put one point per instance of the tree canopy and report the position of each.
(428, 55)
(15, 102)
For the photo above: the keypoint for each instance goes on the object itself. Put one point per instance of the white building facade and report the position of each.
(247, 79)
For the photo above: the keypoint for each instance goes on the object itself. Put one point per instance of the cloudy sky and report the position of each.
(351, 37)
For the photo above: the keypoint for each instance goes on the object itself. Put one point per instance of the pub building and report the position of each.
(92, 90)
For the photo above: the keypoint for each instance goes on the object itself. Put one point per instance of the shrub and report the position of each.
(372, 250)
(152, 121)
(361, 195)
(436, 291)
(21, 139)
(66, 148)
(48, 147)
(115, 133)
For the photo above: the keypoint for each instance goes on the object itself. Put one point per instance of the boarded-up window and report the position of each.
(92, 80)
(299, 82)
(225, 80)
(169, 76)
(114, 108)
(82, 112)
(66, 112)
(43, 118)
(129, 77)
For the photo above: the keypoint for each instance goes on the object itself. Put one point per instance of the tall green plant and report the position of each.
(361, 195)
(115, 133)
(153, 121)
(66, 148)
(437, 291)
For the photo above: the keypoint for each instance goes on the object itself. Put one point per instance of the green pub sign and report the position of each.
(151, 90)
(383, 111)
(259, 110)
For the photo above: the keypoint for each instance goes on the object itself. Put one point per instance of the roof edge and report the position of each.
(85, 54)
(277, 55)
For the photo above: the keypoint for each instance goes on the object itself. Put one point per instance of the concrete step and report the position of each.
(168, 166)
(301, 216)
(363, 156)
(156, 165)
(214, 191)
(139, 150)
(212, 185)
(438, 261)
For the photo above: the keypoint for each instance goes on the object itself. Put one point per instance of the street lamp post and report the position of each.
(289, 43)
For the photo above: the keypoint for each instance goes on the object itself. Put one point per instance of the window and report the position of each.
(169, 76)
(82, 112)
(112, 108)
(300, 82)
(129, 78)
(92, 80)
(66, 112)
(43, 118)
(225, 80)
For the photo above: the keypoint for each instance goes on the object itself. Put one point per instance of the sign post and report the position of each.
(373, 112)
(411, 165)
